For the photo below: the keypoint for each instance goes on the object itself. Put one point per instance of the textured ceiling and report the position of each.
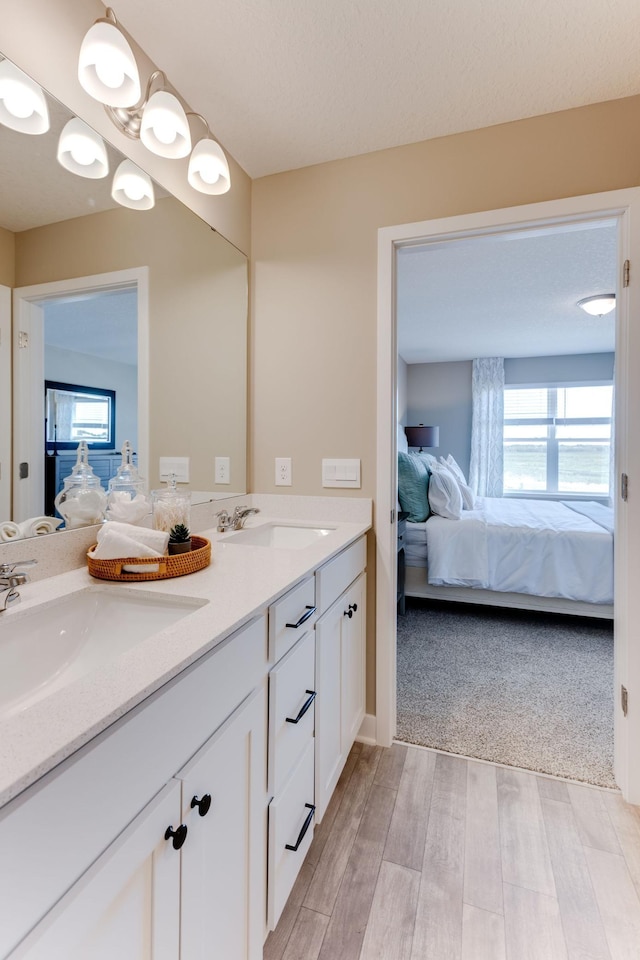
(507, 296)
(287, 83)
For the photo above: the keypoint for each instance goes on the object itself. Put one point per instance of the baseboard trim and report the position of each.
(367, 732)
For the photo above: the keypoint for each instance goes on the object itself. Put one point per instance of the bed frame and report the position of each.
(416, 585)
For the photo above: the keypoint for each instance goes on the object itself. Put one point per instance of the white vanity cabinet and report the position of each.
(84, 833)
(186, 874)
(340, 665)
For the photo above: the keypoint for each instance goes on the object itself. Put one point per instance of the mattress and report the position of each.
(544, 548)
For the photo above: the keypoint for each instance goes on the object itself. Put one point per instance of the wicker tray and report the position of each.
(179, 565)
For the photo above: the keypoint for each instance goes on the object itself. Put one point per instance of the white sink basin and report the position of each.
(280, 535)
(47, 647)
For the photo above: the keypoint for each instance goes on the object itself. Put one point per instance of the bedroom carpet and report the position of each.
(525, 689)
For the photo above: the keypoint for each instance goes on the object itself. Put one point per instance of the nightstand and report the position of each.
(402, 532)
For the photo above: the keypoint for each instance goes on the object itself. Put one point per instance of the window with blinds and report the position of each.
(557, 439)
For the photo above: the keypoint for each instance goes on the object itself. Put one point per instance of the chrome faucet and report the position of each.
(234, 521)
(10, 578)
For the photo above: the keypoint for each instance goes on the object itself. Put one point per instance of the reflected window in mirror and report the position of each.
(74, 412)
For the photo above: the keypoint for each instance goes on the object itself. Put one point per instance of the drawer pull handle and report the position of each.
(303, 709)
(305, 826)
(179, 835)
(203, 804)
(309, 612)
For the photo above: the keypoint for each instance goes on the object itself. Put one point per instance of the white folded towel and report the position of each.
(9, 531)
(155, 539)
(115, 546)
(39, 526)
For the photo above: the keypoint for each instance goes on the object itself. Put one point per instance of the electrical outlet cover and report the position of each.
(283, 471)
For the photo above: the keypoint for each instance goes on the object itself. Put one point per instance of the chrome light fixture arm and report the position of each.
(128, 120)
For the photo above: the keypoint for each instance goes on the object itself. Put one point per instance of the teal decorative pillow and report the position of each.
(413, 485)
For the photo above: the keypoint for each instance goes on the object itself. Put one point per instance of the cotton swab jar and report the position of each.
(170, 507)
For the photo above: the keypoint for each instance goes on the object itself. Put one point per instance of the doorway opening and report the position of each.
(620, 209)
(81, 371)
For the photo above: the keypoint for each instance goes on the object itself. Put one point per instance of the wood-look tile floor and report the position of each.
(426, 856)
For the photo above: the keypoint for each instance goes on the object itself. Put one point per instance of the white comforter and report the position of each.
(542, 547)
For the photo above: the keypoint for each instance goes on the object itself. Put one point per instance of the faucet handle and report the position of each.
(8, 568)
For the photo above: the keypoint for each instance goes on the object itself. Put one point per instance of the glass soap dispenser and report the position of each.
(127, 501)
(170, 506)
(82, 501)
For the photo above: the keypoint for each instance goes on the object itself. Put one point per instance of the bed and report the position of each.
(532, 554)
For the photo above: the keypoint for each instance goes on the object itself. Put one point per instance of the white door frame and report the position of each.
(5, 402)
(28, 392)
(624, 205)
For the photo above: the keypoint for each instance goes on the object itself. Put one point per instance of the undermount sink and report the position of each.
(49, 646)
(280, 535)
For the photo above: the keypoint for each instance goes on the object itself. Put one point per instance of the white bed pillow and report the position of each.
(445, 498)
(468, 496)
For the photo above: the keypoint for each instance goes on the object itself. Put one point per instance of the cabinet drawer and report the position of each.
(296, 607)
(289, 813)
(336, 575)
(70, 816)
(291, 687)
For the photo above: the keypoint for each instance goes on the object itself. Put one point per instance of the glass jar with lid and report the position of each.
(82, 500)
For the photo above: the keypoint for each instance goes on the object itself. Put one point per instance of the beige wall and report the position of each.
(197, 317)
(7, 257)
(314, 249)
(43, 37)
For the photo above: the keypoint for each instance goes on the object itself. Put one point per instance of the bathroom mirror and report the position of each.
(176, 360)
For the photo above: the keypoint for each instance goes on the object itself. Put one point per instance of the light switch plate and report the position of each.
(341, 473)
(223, 470)
(177, 465)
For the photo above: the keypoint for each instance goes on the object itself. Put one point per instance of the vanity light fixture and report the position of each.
(208, 167)
(156, 118)
(82, 151)
(598, 306)
(107, 68)
(22, 103)
(132, 187)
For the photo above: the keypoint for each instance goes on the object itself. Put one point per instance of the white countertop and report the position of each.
(240, 583)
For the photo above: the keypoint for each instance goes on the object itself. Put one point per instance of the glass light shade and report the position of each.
(208, 168)
(598, 306)
(22, 103)
(164, 129)
(82, 151)
(107, 68)
(132, 187)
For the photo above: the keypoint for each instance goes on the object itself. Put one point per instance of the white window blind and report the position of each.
(557, 439)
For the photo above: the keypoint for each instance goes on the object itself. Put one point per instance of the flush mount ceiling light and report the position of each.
(132, 187)
(208, 168)
(598, 306)
(107, 68)
(82, 151)
(22, 103)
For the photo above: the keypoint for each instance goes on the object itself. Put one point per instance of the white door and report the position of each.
(127, 905)
(223, 860)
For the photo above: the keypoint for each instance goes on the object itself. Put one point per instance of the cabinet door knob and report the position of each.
(179, 835)
(203, 804)
(354, 607)
(348, 613)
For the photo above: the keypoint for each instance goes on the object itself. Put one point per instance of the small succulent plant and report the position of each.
(179, 534)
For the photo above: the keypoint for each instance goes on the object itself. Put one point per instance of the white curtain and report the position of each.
(487, 388)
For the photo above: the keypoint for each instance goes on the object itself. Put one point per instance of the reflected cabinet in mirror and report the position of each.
(145, 307)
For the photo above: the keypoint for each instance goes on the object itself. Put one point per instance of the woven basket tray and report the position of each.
(198, 558)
